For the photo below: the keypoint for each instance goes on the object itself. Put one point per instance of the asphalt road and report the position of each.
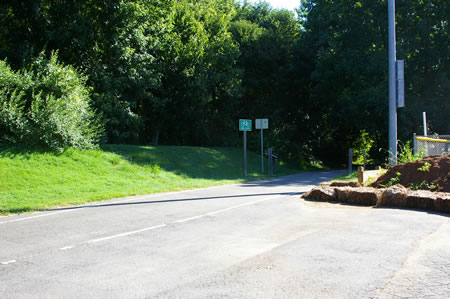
(255, 240)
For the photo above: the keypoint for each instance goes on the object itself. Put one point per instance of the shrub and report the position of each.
(406, 153)
(46, 105)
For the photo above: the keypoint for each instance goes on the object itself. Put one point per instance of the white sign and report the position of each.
(262, 123)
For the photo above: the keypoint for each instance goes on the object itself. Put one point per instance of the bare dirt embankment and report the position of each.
(434, 176)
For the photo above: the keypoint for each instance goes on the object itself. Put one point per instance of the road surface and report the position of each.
(254, 240)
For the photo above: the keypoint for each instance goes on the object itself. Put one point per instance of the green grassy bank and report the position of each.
(33, 180)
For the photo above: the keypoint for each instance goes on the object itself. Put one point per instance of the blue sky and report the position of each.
(289, 4)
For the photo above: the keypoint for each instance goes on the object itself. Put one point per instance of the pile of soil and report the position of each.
(438, 174)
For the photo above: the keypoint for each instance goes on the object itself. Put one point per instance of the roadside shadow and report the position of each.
(131, 202)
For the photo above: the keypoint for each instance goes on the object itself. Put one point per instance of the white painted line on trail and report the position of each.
(112, 202)
(66, 248)
(227, 209)
(189, 219)
(9, 262)
(124, 234)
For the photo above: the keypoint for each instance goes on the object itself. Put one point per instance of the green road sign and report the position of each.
(245, 125)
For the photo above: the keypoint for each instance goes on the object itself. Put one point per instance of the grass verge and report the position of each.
(353, 177)
(38, 180)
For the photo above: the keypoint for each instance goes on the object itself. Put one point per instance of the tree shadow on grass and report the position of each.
(192, 162)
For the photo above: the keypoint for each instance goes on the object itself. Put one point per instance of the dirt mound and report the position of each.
(431, 173)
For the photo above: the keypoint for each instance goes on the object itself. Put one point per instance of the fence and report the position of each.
(433, 145)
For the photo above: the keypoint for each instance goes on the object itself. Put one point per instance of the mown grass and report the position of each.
(39, 180)
(347, 177)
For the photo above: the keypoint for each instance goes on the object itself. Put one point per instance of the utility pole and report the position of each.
(392, 85)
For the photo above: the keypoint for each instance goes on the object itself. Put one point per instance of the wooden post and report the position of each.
(361, 175)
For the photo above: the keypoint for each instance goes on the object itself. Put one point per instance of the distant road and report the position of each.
(254, 240)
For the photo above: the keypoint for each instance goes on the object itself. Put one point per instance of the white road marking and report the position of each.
(9, 262)
(113, 201)
(178, 221)
(226, 209)
(189, 219)
(124, 234)
(66, 248)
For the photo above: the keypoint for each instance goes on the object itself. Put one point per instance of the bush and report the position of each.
(46, 105)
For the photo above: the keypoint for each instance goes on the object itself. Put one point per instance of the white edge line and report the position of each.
(125, 234)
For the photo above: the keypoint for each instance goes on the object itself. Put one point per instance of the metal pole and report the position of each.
(350, 160)
(392, 85)
(414, 144)
(262, 150)
(269, 158)
(245, 153)
(425, 129)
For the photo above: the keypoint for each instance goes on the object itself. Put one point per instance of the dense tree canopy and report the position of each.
(183, 72)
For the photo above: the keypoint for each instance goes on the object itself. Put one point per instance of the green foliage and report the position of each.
(406, 153)
(425, 167)
(350, 75)
(78, 176)
(424, 185)
(363, 144)
(393, 181)
(183, 72)
(46, 105)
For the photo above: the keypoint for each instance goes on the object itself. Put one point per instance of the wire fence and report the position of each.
(432, 145)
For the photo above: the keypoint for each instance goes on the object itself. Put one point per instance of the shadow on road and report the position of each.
(168, 201)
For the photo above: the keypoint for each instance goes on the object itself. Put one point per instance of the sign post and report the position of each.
(245, 125)
(262, 124)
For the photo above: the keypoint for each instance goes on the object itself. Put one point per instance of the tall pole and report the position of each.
(392, 86)
(262, 150)
(424, 124)
(245, 153)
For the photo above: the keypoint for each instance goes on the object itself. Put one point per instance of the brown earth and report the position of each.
(394, 196)
(438, 174)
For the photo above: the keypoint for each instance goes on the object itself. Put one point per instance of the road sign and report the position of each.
(245, 125)
(262, 123)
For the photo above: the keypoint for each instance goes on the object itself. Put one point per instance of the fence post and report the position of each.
(415, 143)
(361, 175)
(269, 153)
(350, 160)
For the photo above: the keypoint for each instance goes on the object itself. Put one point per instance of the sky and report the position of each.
(289, 4)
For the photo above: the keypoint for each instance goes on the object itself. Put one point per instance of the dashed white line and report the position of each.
(124, 234)
(114, 201)
(189, 219)
(9, 262)
(226, 209)
(178, 221)
(66, 248)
